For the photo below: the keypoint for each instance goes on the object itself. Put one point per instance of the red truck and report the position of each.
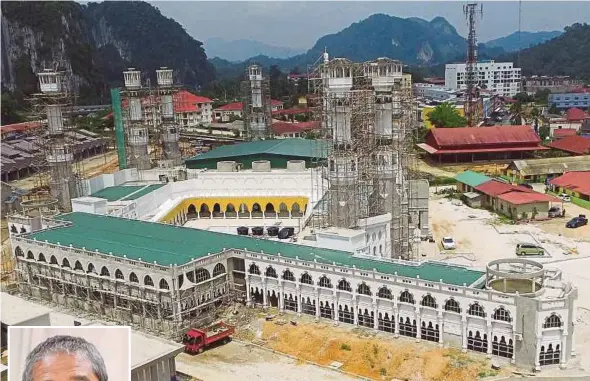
(196, 340)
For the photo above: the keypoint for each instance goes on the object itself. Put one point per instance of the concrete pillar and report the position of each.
(489, 330)
(355, 309)
(248, 296)
(440, 321)
(282, 297)
(264, 293)
(336, 308)
(298, 293)
(317, 302)
(418, 323)
(562, 360)
(396, 317)
(375, 316)
(537, 353)
(464, 333)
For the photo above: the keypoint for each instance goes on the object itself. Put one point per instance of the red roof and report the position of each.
(576, 115)
(188, 102)
(494, 188)
(578, 145)
(576, 181)
(291, 111)
(235, 106)
(563, 132)
(289, 128)
(520, 198)
(274, 102)
(581, 90)
(20, 127)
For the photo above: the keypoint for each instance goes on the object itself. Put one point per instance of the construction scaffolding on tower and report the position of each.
(256, 104)
(56, 162)
(471, 12)
(365, 114)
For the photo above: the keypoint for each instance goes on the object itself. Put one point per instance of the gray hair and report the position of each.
(67, 345)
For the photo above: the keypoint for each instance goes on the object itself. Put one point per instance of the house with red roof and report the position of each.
(573, 120)
(574, 183)
(235, 109)
(283, 130)
(472, 144)
(575, 145)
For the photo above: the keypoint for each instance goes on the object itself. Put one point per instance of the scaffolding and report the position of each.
(136, 131)
(256, 104)
(58, 172)
(365, 114)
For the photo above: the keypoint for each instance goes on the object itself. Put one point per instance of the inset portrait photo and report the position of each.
(97, 353)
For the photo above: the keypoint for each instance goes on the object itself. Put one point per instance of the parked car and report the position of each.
(576, 222)
(529, 249)
(565, 197)
(526, 185)
(554, 211)
(448, 243)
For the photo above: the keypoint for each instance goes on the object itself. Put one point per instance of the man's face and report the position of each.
(63, 367)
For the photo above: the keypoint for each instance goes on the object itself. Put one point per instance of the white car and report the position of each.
(565, 197)
(448, 243)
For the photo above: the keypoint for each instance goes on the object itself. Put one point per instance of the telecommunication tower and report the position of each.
(256, 104)
(471, 11)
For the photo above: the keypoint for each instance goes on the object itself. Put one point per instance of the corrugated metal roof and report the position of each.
(495, 188)
(521, 198)
(576, 181)
(478, 136)
(551, 165)
(305, 148)
(578, 145)
(472, 178)
(169, 245)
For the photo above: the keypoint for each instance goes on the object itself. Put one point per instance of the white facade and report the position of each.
(500, 78)
(434, 92)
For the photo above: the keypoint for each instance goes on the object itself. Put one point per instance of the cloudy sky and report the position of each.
(299, 24)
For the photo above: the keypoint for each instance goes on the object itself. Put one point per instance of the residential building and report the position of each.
(433, 92)
(576, 98)
(235, 109)
(539, 170)
(555, 84)
(573, 120)
(575, 183)
(574, 145)
(468, 144)
(283, 130)
(190, 110)
(501, 78)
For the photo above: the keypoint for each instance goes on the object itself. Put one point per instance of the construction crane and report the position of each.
(471, 11)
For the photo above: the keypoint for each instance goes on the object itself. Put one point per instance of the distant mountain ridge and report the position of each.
(242, 49)
(512, 42)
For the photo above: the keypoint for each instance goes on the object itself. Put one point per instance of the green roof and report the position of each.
(304, 148)
(473, 179)
(125, 192)
(169, 244)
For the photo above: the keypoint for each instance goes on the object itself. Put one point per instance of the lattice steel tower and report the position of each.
(256, 106)
(471, 12)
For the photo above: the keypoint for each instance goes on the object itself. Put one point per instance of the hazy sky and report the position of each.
(300, 24)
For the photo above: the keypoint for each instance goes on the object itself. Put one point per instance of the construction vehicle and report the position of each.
(196, 340)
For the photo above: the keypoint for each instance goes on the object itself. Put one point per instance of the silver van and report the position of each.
(529, 249)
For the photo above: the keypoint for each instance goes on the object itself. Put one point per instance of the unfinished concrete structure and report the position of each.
(256, 103)
(366, 115)
(168, 129)
(165, 279)
(136, 132)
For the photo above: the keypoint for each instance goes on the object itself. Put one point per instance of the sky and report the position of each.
(298, 24)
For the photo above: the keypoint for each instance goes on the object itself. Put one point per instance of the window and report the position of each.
(476, 310)
(363, 289)
(218, 270)
(147, 281)
(41, 257)
(406, 297)
(78, 266)
(202, 275)
(119, 274)
(306, 279)
(344, 285)
(254, 269)
(270, 272)
(428, 301)
(477, 343)
(502, 348)
(104, 271)
(164, 284)
(502, 314)
(384, 293)
(288, 275)
(429, 332)
(325, 282)
(133, 278)
(550, 356)
(552, 321)
(65, 263)
(452, 306)
(91, 269)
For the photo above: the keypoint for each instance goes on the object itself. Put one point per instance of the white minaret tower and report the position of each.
(137, 131)
(169, 133)
(257, 109)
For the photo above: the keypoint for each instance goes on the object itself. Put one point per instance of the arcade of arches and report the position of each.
(237, 207)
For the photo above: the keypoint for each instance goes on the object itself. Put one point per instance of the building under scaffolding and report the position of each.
(136, 131)
(168, 129)
(256, 103)
(365, 113)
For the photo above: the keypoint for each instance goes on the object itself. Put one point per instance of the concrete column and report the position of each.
(464, 333)
(562, 360)
(513, 358)
(248, 296)
(418, 323)
(335, 302)
(355, 309)
(264, 293)
(317, 302)
(489, 325)
(396, 317)
(282, 297)
(440, 321)
(375, 316)
(298, 293)
(572, 336)
(537, 352)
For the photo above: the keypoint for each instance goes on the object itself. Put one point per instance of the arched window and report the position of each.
(22, 229)
(191, 209)
(104, 271)
(363, 289)
(552, 321)
(19, 252)
(502, 314)
(30, 255)
(270, 272)
(202, 275)
(256, 208)
(288, 275)
(230, 208)
(406, 297)
(41, 257)
(254, 269)
(283, 208)
(306, 279)
(147, 281)
(218, 270)
(119, 274)
(216, 208)
(91, 269)
(13, 229)
(325, 282)
(476, 310)
(295, 209)
(453, 306)
(344, 285)
(270, 208)
(384, 293)
(78, 266)
(204, 208)
(428, 301)
(53, 260)
(133, 278)
(164, 284)
(65, 263)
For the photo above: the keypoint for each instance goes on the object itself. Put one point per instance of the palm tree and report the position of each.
(518, 114)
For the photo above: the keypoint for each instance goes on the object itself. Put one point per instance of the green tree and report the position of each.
(10, 109)
(553, 109)
(517, 114)
(542, 96)
(446, 115)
